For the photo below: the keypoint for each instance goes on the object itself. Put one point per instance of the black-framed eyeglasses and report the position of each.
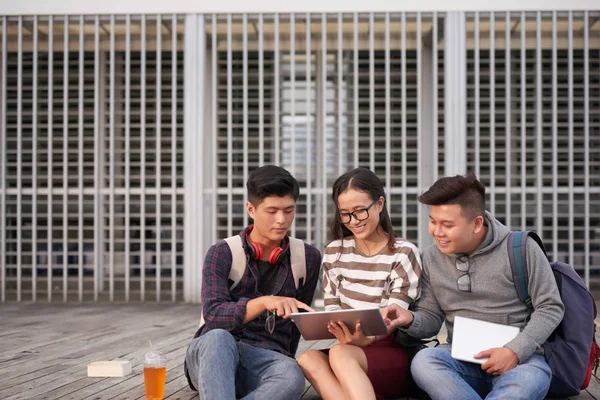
(464, 281)
(359, 215)
(270, 322)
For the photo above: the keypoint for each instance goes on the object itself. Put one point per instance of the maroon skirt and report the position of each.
(388, 367)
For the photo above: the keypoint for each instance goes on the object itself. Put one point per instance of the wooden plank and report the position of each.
(69, 373)
(115, 347)
(45, 350)
(91, 334)
(75, 373)
(128, 389)
(43, 336)
(86, 387)
(77, 328)
(184, 394)
(592, 392)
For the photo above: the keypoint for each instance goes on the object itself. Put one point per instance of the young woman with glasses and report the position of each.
(364, 266)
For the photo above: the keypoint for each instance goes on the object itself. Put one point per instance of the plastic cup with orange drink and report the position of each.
(155, 374)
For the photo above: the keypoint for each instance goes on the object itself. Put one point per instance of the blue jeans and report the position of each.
(222, 368)
(443, 377)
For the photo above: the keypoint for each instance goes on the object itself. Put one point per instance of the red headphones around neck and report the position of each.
(255, 250)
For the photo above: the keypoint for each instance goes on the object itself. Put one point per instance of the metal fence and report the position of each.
(92, 158)
(117, 176)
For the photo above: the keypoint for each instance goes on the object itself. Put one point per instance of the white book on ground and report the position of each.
(109, 369)
(471, 336)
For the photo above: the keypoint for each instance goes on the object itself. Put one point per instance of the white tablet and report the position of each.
(313, 325)
(470, 336)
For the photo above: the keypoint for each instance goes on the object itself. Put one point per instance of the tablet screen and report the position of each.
(313, 325)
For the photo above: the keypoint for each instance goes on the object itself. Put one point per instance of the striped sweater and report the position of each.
(353, 280)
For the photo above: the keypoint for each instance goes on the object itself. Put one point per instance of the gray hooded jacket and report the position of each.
(493, 296)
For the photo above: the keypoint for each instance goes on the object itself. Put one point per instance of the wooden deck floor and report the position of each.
(44, 349)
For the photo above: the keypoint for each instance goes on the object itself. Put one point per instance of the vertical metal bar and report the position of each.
(229, 131)
(425, 142)
(127, 153)
(586, 160)
(245, 109)
(554, 138)
(80, 165)
(308, 133)
(194, 131)
(112, 119)
(455, 89)
(372, 91)
(19, 158)
(197, 144)
(341, 134)
(293, 147)
(3, 158)
(419, 115)
(388, 134)
(174, 158)
(276, 116)
(436, 138)
(539, 122)
(508, 111)
(215, 126)
(476, 77)
(403, 129)
(324, 119)
(98, 235)
(192, 236)
(293, 99)
(355, 88)
(355, 102)
(261, 94)
(34, 183)
(65, 156)
(143, 162)
(571, 145)
(492, 184)
(158, 120)
(523, 122)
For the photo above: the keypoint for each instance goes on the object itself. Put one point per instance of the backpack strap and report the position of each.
(517, 256)
(298, 261)
(238, 263)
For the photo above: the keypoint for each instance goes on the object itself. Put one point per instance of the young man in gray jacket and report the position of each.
(467, 273)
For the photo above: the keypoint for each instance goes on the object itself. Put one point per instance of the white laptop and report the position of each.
(470, 336)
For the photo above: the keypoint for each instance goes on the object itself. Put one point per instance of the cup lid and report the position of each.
(154, 357)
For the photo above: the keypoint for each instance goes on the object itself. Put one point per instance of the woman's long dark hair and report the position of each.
(363, 180)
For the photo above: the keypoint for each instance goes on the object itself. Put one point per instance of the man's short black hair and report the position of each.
(271, 180)
(466, 191)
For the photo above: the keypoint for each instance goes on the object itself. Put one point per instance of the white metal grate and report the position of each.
(319, 94)
(92, 156)
(534, 131)
(93, 192)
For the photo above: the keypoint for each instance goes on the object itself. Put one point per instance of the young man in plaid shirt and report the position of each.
(247, 345)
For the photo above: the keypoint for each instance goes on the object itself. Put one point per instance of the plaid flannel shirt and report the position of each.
(225, 309)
